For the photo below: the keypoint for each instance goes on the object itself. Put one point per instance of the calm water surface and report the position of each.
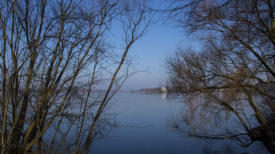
(144, 129)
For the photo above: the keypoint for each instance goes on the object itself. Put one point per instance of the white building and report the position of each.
(163, 89)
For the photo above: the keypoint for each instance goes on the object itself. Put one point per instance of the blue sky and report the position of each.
(149, 54)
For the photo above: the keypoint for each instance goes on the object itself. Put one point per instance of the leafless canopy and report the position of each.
(50, 61)
(233, 75)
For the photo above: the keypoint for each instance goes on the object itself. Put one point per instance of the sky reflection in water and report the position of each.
(144, 121)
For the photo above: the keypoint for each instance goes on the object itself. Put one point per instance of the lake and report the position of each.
(144, 128)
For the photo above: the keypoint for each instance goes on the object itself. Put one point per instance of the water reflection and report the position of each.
(163, 95)
(155, 135)
(202, 119)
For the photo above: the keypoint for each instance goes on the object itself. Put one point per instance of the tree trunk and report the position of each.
(269, 145)
(268, 141)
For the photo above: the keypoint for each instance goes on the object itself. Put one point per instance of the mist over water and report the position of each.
(144, 126)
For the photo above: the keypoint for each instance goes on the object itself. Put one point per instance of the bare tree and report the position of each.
(233, 74)
(51, 52)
